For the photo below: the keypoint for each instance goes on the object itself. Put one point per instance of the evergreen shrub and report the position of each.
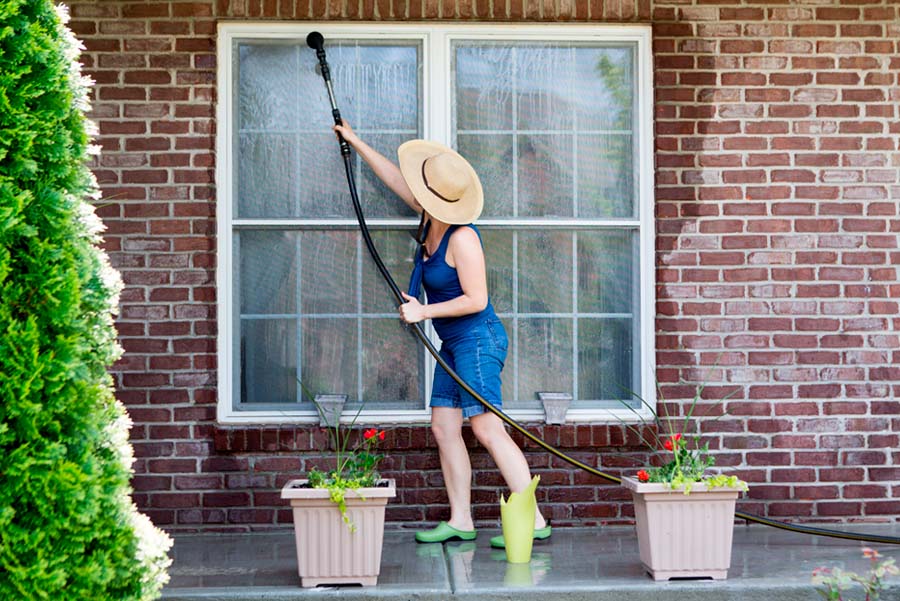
(68, 527)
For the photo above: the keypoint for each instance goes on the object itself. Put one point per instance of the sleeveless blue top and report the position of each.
(442, 284)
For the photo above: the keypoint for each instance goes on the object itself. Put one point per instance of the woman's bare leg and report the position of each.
(491, 433)
(446, 424)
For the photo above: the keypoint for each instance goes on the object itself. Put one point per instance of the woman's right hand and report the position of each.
(346, 132)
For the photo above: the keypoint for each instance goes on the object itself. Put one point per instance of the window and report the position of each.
(556, 120)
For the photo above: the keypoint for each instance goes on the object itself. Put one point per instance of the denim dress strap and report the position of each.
(415, 278)
(418, 272)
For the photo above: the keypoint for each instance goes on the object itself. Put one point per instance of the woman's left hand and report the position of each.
(412, 311)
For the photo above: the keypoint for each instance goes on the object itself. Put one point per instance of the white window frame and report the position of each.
(436, 107)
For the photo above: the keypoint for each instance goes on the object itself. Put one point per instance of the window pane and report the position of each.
(607, 272)
(268, 272)
(388, 86)
(550, 128)
(545, 271)
(286, 158)
(606, 361)
(392, 363)
(483, 78)
(499, 258)
(343, 60)
(329, 357)
(606, 176)
(570, 120)
(544, 79)
(323, 180)
(267, 78)
(546, 177)
(397, 249)
(268, 184)
(491, 156)
(329, 263)
(545, 358)
(604, 76)
(268, 360)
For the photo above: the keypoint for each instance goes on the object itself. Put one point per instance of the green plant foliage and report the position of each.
(832, 582)
(68, 527)
(689, 460)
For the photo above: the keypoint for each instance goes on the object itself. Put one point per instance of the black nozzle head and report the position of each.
(315, 40)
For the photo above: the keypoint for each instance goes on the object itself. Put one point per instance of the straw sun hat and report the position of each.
(443, 182)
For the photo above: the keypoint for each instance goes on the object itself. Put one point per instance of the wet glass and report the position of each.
(329, 357)
(606, 186)
(392, 365)
(491, 155)
(329, 272)
(606, 359)
(545, 358)
(546, 176)
(268, 272)
(483, 79)
(607, 271)
(397, 249)
(267, 87)
(545, 271)
(498, 256)
(268, 175)
(267, 354)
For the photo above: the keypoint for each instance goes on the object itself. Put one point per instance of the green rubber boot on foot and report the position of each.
(544, 533)
(444, 532)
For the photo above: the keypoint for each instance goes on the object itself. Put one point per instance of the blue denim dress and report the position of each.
(473, 345)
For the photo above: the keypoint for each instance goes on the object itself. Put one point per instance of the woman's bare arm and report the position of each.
(386, 171)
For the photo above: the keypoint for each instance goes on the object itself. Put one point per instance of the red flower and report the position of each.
(643, 476)
(370, 433)
(381, 435)
(670, 442)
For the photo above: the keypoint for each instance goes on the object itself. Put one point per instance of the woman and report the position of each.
(442, 187)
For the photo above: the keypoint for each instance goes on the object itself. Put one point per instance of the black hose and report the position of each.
(316, 43)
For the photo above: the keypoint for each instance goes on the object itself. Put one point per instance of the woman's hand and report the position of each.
(346, 131)
(412, 311)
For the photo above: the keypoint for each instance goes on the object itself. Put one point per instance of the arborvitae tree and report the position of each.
(68, 527)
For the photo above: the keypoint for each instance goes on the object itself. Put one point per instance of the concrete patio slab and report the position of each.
(577, 564)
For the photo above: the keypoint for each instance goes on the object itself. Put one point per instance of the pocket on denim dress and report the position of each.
(498, 335)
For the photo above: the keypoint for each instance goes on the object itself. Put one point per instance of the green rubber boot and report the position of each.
(544, 533)
(444, 532)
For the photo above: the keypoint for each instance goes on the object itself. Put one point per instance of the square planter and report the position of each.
(327, 551)
(683, 536)
(330, 407)
(555, 404)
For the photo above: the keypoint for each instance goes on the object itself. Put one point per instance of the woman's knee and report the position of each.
(446, 428)
(488, 429)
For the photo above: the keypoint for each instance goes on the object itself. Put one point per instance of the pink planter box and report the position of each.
(327, 551)
(683, 535)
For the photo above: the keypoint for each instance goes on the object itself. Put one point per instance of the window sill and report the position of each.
(311, 437)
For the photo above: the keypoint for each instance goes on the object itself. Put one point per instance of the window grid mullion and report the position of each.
(359, 321)
(574, 143)
(575, 392)
(299, 319)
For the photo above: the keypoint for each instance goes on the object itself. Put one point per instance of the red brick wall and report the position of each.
(777, 133)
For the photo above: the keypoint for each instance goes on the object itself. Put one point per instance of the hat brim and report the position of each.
(467, 209)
